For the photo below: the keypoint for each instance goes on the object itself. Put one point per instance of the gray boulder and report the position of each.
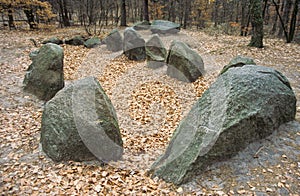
(53, 40)
(80, 123)
(76, 41)
(45, 76)
(114, 41)
(134, 45)
(243, 105)
(92, 42)
(238, 61)
(184, 63)
(144, 25)
(156, 52)
(164, 26)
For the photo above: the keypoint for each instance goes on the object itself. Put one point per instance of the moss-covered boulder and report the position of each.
(244, 105)
(45, 76)
(184, 63)
(80, 123)
(134, 45)
(238, 61)
(156, 53)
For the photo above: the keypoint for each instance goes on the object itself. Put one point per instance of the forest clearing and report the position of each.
(201, 97)
(25, 169)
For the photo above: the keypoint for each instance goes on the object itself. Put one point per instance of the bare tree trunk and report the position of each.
(187, 11)
(281, 20)
(293, 22)
(172, 10)
(123, 13)
(215, 13)
(30, 18)
(257, 24)
(11, 23)
(274, 28)
(64, 12)
(286, 16)
(146, 10)
(243, 19)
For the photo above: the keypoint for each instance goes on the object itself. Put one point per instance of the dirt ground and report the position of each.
(267, 167)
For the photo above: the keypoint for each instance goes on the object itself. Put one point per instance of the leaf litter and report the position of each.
(149, 106)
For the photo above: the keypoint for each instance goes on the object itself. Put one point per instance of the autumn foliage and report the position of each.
(33, 9)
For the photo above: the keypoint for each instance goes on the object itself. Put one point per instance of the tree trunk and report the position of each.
(293, 22)
(11, 23)
(123, 13)
(146, 10)
(281, 20)
(257, 24)
(64, 12)
(285, 17)
(243, 19)
(30, 18)
(172, 13)
(275, 19)
(187, 11)
(215, 13)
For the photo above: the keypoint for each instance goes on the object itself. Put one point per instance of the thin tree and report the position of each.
(257, 24)
(293, 22)
(123, 13)
(146, 10)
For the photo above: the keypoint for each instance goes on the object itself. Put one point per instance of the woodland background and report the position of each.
(280, 17)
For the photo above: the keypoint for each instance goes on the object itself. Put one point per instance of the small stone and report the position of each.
(269, 190)
(98, 188)
(104, 173)
(241, 191)
(180, 190)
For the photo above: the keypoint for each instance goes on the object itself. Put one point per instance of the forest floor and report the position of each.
(149, 106)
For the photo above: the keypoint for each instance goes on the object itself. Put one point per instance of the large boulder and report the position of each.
(45, 76)
(164, 26)
(238, 61)
(156, 52)
(134, 45)
(184, 63)
(80, 123)
(92, 42)
(143, 25)
(114, 41)
(75, 41)
(53, 40)
(243, 105)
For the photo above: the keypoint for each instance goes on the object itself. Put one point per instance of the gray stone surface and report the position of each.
(143, 25)
(92, 42)
(164, 26)
(75, 41)
(156, 52)
(134, 45)
(238, 61)
(45, 77)
(244, 105)
(53, 40)
(184, 63)
(114, 41)
(80, 123)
